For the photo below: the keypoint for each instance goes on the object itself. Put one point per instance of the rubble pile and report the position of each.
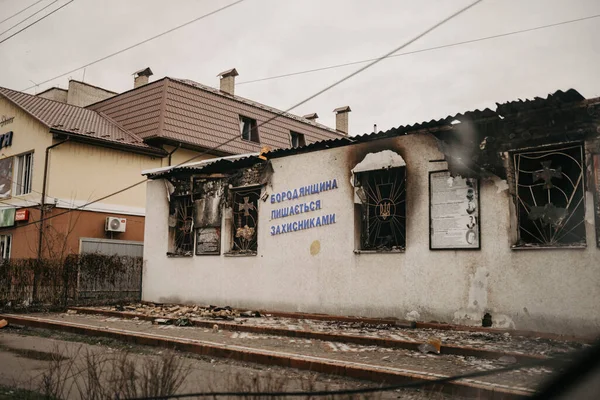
(180, 312)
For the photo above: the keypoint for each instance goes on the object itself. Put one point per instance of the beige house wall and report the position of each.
(79, 173)
(28, 135)
(182, 156)
(83, 95)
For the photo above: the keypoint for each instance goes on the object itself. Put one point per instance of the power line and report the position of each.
(137, 44)
(338, 82)
(411, 385)
(308, 71)
(23, 20)
(37, 20)
(25, 9)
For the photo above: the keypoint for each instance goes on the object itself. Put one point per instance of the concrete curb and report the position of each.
(374, 373)
(330, 337)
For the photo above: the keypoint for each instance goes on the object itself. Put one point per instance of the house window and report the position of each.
(5, 245)
(297, 139)
(245, 220)
(550, 196)
(23, 174)
(6, 177)
(249, 129)
(181, 225)
(383, 208)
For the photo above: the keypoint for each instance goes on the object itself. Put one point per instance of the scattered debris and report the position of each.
(161, 321)
(436, 343)
(427, 348)
(3, 323)
(71, 311)
(508, 359)
(215, 328)
(183, 322)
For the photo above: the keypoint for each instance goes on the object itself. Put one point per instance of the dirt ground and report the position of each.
(28, 355)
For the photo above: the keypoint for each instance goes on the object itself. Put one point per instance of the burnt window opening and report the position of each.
(383, 208)
(550, 196)
(245, 220)
(297, 139)
(249, 129)
(181, 224)
(208, 196)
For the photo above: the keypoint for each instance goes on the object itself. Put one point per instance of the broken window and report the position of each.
(550, 196)
(181, 224)
(207, 211)
(249, 129)
(383, 207)
(245, 220)
(297, 139)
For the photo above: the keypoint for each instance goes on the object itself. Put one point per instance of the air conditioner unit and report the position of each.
(115, 224)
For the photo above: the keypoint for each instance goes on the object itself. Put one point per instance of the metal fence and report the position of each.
(84, 279)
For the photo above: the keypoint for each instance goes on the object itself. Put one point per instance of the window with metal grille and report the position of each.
(249, 129)
(383, 197)
(245, 220)
(550, 196)
(181, 225)
(5, 245)
(297, 139)
(24, 174)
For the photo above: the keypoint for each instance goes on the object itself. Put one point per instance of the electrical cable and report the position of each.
(137, 44)
(308, 71)
(37, 20)
(409, 385)
(23, 20)
(338, 82)
(23, 10)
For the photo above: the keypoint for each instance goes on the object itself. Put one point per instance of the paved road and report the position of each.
(29, 354)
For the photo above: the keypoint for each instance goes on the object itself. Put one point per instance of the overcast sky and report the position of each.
(263, 38)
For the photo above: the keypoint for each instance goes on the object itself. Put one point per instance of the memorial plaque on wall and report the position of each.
(453, 212)
(208, 241)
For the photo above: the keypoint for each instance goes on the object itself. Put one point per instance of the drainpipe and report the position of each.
(174, 150)
(42, 209)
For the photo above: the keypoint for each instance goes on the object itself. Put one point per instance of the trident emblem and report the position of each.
(384, 210)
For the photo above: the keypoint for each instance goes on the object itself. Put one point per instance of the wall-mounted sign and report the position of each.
(453, 212)
(6, 140)
(22, 215)
(6, 166)
(4, 120)
(301, 208)
(7, 217)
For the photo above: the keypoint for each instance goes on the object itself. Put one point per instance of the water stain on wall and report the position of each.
(315, 248)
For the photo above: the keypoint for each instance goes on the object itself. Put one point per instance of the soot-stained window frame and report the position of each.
(549, 196)
(245, 213)
(383, 206)
(181, 226)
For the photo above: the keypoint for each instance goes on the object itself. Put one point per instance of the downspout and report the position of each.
(171, 153)
(42, 208)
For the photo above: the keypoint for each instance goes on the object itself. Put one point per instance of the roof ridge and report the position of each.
(116, 124)
(287, 114)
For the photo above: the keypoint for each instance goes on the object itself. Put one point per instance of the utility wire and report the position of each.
(338, 82)
(25, 9)
(137, 44)
(36, 21)
(23, 20)
(308, 71)
(410, 385)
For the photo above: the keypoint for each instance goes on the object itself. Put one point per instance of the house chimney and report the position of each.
(341, 119)
(228, 81)
(311, 117)
(140, 78)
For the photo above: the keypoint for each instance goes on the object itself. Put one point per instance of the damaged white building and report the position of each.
(482, 218)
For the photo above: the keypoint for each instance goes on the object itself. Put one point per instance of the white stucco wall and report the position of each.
(544, 290)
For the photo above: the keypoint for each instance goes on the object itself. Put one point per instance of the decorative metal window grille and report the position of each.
(181, 224)
(383, 209)
(550, 196)
(245, 220)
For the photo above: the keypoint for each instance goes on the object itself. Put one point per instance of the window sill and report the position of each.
(562, 247)
(252, 254)
(399, 251)
(173, 255)
(209, 254)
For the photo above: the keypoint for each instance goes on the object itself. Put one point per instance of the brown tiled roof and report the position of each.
(77, 121)
(191, 113)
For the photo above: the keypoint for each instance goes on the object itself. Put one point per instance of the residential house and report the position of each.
(489, 217)
(78, 168)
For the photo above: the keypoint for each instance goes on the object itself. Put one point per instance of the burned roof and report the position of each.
(77, 121)
(206, 166)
